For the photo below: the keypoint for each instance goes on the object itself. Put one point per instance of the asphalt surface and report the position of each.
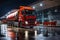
(38, 37)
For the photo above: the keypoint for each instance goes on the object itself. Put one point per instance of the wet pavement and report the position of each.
(38, 37)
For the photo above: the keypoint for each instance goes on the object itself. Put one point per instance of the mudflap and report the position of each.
(28, 27)
(31, 27)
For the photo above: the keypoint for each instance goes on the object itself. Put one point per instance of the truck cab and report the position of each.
(27, 16)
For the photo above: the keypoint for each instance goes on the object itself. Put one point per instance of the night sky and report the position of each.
(7, 5)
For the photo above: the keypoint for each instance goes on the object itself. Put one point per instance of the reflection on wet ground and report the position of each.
(34, 35)
(39, 37)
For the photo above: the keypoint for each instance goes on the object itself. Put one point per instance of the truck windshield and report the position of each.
(29, 12)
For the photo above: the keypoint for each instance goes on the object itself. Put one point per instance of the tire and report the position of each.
(31, 27)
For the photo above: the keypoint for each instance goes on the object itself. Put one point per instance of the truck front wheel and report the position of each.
(20, 24)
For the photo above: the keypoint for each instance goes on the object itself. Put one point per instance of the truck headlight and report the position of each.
(26, 22)
(35, 22)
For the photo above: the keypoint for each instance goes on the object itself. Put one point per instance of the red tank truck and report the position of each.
(24, 16)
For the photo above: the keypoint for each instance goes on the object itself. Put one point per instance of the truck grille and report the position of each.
(31, 21)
